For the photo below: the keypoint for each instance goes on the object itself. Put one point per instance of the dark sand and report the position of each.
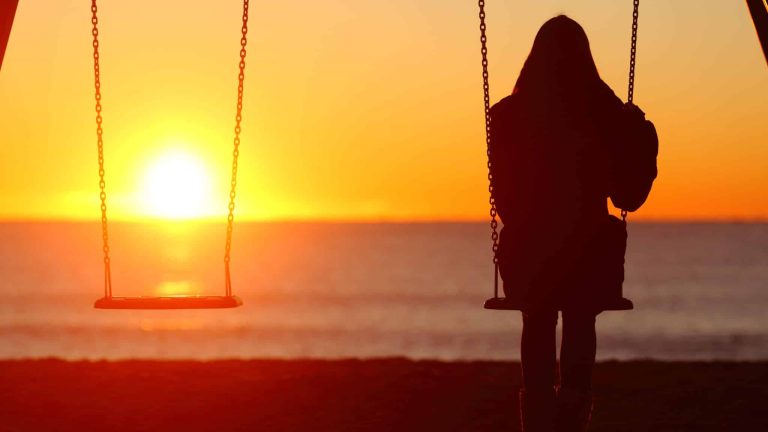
(368, 395)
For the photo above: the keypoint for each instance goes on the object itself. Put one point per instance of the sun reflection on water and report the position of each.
(178, 288)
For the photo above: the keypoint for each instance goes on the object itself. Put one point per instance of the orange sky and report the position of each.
(358, 109)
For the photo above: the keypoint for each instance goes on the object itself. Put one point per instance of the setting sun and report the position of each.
(177, 185)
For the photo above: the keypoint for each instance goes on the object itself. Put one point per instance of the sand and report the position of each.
(362, 395)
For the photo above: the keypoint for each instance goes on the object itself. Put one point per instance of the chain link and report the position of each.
(236, 150)
(632, 56)
(633, 53)
(100, 145)
(487, 102)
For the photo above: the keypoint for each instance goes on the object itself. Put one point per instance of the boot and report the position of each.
(537, 410)
(573, 410)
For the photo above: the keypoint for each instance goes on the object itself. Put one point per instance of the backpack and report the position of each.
(634, 161)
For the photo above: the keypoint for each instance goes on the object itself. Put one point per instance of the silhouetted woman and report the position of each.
(561, 144)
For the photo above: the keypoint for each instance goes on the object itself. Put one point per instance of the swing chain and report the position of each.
(236, 150)
(100, 145)
(633, 53)
(487, 103)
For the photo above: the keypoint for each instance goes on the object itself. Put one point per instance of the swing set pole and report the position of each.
(759, 12)
(7, 12)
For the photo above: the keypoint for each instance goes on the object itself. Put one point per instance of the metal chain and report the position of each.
(236, 151)
(100, 145)
(487, 102)
(633, 53)
(632, 56)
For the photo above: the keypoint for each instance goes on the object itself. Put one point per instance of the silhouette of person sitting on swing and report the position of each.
(561, 144)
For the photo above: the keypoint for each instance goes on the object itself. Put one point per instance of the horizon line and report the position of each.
(332, 220)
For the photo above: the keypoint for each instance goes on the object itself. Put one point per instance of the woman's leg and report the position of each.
(538, 349)
(539, 359)
(578, 350)
(577, 359)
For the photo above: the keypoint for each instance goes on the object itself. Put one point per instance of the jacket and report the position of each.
(553, 168)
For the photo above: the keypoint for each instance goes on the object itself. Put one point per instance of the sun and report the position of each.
(177, 185)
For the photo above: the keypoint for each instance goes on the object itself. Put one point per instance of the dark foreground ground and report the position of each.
(367, 395)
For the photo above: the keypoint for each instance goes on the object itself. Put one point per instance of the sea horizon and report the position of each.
(368, 221)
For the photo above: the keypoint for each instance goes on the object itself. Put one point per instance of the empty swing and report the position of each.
(616, 300)
(168, 302)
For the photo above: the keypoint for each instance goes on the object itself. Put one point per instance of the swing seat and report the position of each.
(501, 303)
(170, 302)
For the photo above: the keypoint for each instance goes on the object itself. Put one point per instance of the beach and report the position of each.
(362, 395)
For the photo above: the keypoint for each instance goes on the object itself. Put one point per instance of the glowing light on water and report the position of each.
(178, 288)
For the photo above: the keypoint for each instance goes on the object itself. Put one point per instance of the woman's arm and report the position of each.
(500, 172)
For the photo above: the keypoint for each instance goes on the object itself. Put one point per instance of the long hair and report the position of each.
(560, 69)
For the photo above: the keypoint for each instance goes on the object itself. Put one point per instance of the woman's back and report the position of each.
(552, 170)
(552, 163)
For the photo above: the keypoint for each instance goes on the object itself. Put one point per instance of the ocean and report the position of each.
(340, 290)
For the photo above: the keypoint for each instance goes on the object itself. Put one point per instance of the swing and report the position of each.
(502, 303)
(167, 302)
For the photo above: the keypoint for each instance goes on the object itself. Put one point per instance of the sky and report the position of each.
(356, 110)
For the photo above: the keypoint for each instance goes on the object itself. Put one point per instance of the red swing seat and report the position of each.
(169, 302)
